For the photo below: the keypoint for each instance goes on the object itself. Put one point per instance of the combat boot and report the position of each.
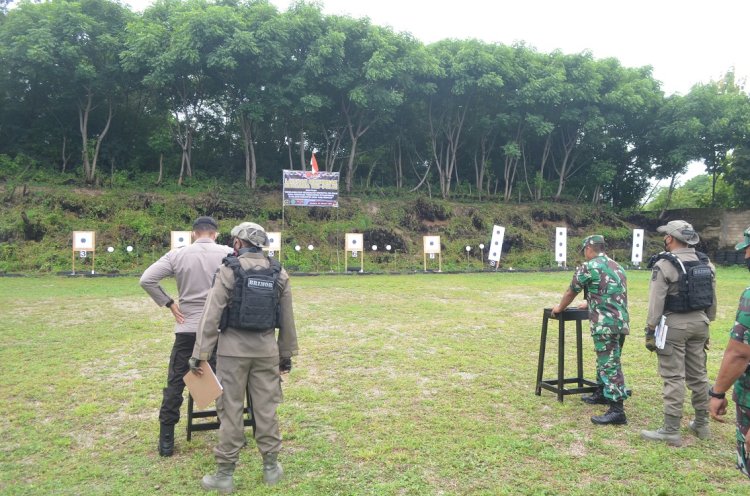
(596, 398)
(222, 481)
(700, 425)
(614, 416)
(272, 471)
(166, 439)
(669, 433)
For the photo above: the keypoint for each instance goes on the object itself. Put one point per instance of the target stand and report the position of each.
(557, 385)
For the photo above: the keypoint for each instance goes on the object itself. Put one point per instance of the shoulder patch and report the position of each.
(655, 272)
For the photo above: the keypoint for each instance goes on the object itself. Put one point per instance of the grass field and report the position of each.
(409, 384)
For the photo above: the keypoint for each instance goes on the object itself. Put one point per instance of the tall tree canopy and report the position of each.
(238, 90)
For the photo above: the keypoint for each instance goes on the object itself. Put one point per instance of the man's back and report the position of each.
(193, 267)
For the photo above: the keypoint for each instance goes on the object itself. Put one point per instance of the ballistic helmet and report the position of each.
(252, 233)
(680, 229)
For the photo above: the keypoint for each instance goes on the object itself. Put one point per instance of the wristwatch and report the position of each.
(169, 304)
(716, 395)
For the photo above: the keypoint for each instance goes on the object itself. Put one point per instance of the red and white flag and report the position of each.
(313, 163)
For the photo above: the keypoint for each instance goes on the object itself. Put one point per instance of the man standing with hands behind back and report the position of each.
(607, 297)
(682, 361)
(193, 268)
(735, 368)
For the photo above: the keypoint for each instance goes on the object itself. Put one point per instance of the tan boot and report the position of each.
(272, 471)
(222, 481)
(669, 433)
(700, 425)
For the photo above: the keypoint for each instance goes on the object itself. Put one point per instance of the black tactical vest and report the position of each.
(695, 285)
(255, 300)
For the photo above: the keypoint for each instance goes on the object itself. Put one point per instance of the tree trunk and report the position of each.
(251, 168)
(161, 169)
(568, 144)
(65, 158)
(89, 157)
(669, 196)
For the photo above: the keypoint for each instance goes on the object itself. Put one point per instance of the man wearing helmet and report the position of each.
(686, 314)
(248, 359)
(735, 369)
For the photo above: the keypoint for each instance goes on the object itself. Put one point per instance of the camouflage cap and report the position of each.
(681, 230)
(745, 242)
(252, 233)
(594, 239)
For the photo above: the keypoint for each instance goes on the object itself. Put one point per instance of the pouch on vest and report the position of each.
(255, 298)
(695, 285)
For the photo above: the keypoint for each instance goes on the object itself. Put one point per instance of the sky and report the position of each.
(685, 42)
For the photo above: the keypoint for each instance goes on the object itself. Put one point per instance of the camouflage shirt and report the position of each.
(606, 292)
(741, 332)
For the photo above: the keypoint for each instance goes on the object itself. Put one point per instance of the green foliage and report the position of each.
(238, 91)
(143, 219)
(695, 193)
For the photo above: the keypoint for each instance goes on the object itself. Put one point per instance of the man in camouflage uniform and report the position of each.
(735, 368)
(682, 361)
(605, 287)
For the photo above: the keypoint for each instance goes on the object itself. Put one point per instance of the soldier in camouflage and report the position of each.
(682, 361)
(605, 286)
(735, 368)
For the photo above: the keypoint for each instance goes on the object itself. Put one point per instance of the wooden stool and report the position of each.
(557, 385)
(207, 426)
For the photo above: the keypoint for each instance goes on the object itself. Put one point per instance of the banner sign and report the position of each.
(310, 189)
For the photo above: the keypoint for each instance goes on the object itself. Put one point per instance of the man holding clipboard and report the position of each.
(250, 298)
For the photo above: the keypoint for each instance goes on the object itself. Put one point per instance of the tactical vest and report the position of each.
(695, 285)
(255, 300)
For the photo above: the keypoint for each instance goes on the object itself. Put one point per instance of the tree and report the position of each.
(721, 110)
(179, 49)
(468, 72)
(65, 56)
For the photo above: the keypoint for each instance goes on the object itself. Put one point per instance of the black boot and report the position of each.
(614, 416)
(596, 398)
(166, 440)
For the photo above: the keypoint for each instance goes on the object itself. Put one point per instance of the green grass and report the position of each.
(409, 384)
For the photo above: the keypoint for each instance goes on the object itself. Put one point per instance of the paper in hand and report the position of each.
(203, 388)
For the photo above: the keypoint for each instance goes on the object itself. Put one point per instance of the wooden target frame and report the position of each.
(84, 242)
(354, 244)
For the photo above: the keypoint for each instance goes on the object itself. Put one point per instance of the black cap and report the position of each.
(205, 220)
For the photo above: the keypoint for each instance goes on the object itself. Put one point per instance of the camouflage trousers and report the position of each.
(743, 426)
(608, 368)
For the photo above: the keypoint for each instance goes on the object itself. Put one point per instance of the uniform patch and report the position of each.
(655, 273)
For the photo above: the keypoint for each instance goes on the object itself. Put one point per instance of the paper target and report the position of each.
(83, 240)
(274, 242)
(181, 239)
(354, 242)
(496, 244)
(431, 244)
(638, 239)
(561, 244)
